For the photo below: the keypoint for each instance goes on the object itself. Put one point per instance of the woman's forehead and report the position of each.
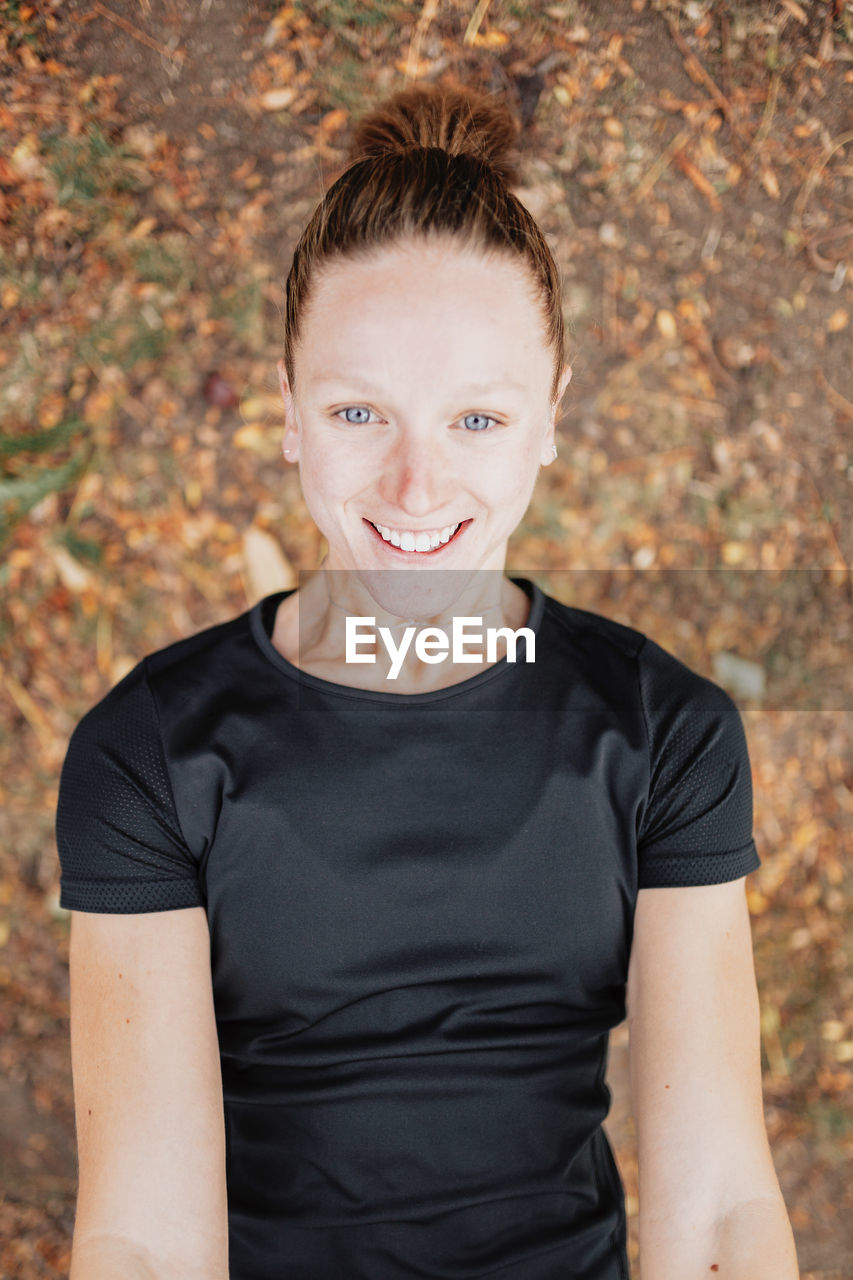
(473, 316)
(432, 257)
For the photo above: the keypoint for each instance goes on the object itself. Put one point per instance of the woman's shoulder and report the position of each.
(586, 625)
(191, 649)
(661, 678)
(192, 661)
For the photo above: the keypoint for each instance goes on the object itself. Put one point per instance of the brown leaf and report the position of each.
(267, 567)
(219, 391)
(770, 183)
(278, 99)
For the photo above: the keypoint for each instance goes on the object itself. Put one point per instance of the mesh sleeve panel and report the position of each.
(696, 827)
(117, 831)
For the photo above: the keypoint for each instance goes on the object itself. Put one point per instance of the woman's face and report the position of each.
(421, 414)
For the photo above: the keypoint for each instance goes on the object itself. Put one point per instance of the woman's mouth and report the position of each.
(419, 542)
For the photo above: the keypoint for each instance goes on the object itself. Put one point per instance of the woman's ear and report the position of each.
(548, 452)
(549, 448)
(290, 440)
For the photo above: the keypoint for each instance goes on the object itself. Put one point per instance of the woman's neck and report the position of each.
(335, 628)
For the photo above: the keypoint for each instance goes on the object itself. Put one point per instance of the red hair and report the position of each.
(433, 160)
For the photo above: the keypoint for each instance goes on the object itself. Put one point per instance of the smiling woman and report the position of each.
(367, 1038)
(422, 372)
(419, 470)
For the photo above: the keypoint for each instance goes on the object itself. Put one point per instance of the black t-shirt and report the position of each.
(421, 910)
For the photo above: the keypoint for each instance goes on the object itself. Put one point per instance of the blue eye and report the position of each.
(480, 420)
(355, 409)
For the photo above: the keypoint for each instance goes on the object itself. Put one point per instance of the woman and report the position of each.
(380, 922)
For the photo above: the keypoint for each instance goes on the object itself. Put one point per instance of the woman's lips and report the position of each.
(417, 555)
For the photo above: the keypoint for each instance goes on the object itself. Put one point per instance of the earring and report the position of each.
(554, 447)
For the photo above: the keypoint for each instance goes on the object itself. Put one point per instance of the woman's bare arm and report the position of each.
(148, 1099)
(106, 1258)
(709, 1196)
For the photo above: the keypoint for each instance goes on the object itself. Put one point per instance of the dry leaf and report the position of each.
(74, 576)
(733, 552)
(334, 120)
(142, 229)
(490, 39)
(267, 567)
(795, 10)
(666, 324)
(770, 183)
(277, 99)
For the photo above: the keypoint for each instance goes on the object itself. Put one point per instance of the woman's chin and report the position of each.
(413, 593)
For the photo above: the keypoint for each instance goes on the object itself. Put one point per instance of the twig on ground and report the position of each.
(644, 461)
(700, 182)
(822, 509)
(767, 118)
(175, 55)
(814, 174)
(726, 45)
(830, 233)
(647, 182)
(841, 403)
(29, 708)
(695, 70)
(476, 21)
(413, 57)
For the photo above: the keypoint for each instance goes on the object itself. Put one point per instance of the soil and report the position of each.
(741, 274)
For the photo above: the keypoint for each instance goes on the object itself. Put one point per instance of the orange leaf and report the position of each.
(142, 229)
(795, 10)
(700, 182)
(9, 177)
(490, 39)
(28, 58)
(334, 120)
(769, 182)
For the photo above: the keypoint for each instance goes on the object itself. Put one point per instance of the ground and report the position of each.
(690, 164)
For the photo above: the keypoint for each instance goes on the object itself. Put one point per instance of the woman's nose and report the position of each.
(416, 476)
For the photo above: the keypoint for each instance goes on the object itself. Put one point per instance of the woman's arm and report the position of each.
(151, 1202)
(111, 1257)
(710, 1201)
(755, 1239)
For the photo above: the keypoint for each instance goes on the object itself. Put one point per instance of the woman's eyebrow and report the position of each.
(480, 388)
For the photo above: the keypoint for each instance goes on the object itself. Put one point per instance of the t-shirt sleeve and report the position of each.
(696, 825)
(117, 830)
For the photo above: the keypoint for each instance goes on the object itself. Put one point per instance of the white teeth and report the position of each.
(423, 541)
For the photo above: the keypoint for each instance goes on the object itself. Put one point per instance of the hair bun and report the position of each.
(459, 120)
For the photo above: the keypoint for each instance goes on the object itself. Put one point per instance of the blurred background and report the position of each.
(691, 162)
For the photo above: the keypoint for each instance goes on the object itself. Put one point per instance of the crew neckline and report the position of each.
(269, 604)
